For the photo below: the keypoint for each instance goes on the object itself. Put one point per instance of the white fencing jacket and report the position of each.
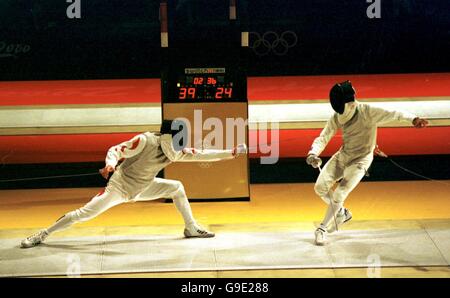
(359, 133)
(145, 155)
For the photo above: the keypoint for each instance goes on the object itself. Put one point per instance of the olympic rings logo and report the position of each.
(272, 42)
(205, 165)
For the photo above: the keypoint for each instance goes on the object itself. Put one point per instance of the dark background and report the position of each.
(288, 170)
(117, 39)
(121, 39)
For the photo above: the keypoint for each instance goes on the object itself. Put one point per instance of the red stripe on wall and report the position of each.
(293, 143)
(58, 148)
(80, 92)
(367, 86)
(259, 88)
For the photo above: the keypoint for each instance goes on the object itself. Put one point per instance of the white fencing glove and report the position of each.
(314, 161)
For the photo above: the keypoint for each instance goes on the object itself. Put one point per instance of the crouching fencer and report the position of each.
(358, 122)
(135, 164)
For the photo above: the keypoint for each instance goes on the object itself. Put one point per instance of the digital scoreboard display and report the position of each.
(206, 85)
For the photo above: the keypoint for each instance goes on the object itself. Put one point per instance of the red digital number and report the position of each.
(187, 93)
(191, 93)
(228, 92)
(182, 94)
(219, 93)
(211, 81)
(198, 81)
(224, 92)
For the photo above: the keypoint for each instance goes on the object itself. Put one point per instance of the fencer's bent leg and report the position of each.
(165, 188)
(331, 213)
(182, 203)
(352, 176)
(99, 204)
(173, 189)
(331, 172)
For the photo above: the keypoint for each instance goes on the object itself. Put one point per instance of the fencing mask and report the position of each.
(342, 99)
(340, 94)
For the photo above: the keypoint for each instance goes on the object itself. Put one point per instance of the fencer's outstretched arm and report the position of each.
(126, 149)
(380, 116)
(322, 140)
(195, 155)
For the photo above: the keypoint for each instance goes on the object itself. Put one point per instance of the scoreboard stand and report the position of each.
(203, 80)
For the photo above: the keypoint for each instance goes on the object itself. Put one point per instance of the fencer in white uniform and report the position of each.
(135, 164)
(358, 122)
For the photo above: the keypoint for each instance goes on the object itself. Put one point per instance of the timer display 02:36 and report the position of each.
(208, 87)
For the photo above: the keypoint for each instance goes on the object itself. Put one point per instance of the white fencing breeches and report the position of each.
(334, 170)
(158, 188)
(173, 189)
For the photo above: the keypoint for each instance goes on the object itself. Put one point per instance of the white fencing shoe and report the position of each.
(34, 239)
(197, 231)
(341, 218)
(321, 236)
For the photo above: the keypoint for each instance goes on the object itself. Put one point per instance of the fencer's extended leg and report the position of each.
(173, 189)
(100, 203)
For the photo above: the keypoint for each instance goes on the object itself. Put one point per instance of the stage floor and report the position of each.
(399, 229)
(269, 246)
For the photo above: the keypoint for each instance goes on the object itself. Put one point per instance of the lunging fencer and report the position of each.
(135, 164)
(358, 122)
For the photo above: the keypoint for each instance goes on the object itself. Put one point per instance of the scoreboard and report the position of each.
(206, 84)
(204, 74)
